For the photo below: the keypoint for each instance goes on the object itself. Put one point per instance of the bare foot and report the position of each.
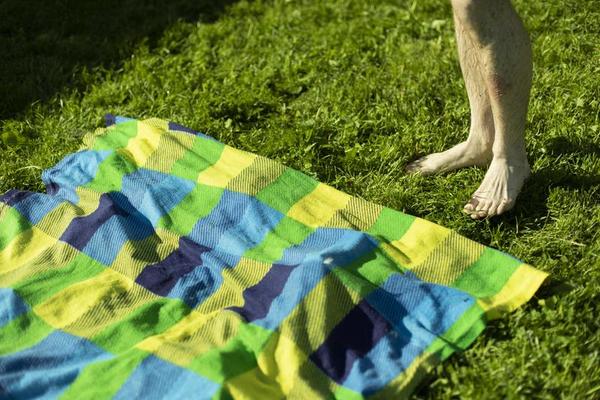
(465, 154)
(499, 189)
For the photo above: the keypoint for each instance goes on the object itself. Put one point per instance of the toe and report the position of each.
(505, 205)
(471, 205)
(483, 205)
(411, 167)
(493, 209)
(477, 215)
(481, 214)
(415, 166)
(481, 208)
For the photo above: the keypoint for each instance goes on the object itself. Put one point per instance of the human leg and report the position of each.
(494, 43)
(504, 53)
(477, 149)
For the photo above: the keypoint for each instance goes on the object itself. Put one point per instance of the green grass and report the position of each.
(348, 92)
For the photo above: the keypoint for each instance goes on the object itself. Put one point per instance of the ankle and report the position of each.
(479, 146)
(519, 162)
(513, 153)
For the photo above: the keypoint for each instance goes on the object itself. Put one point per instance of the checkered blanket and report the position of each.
(162, 263)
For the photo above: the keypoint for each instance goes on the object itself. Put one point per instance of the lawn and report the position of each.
(348, 92)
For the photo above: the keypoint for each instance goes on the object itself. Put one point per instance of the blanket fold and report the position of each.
(162, 263)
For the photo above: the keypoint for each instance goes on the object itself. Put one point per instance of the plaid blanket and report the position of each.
(162, 263)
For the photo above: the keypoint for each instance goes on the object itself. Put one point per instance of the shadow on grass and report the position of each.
(532, 200)
(45, 43)
(562, 145)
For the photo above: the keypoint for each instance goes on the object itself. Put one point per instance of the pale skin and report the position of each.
(495, 58)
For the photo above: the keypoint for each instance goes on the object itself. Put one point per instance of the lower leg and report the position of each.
(477, 149)
(504, 54)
